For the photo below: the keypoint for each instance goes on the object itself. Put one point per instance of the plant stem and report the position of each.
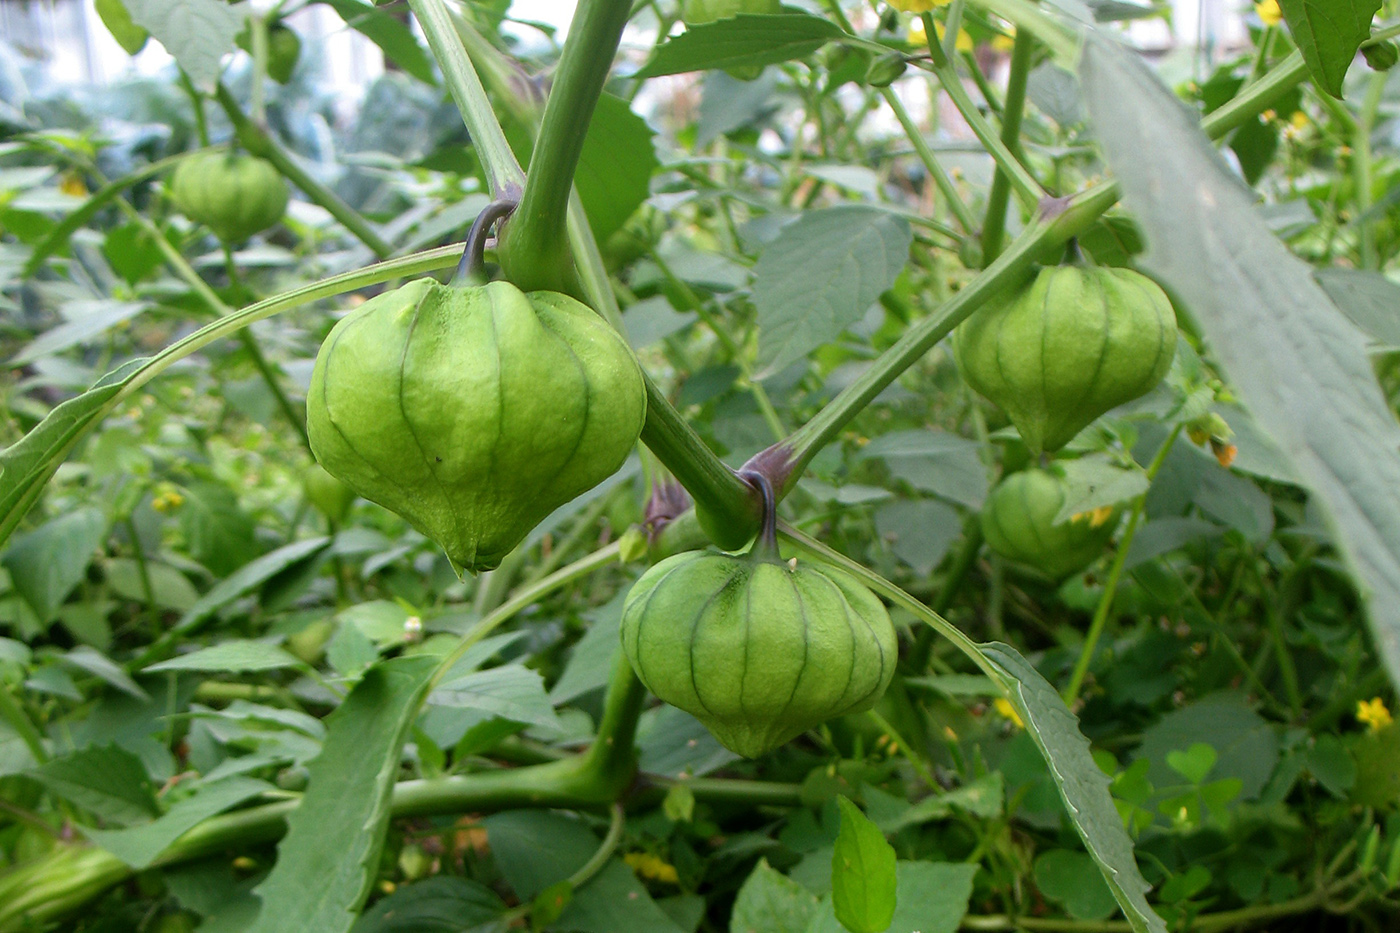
(502, 171)
(1115, 574)
(1025, 186)
(994, 222)
(945, 185)
(258, 142)
(1361, 163)
(533, 248)
(1075, 215)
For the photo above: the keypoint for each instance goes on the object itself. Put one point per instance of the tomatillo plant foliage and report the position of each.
(814, 502)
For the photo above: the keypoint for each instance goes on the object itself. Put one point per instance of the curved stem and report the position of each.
(471, 270)
(766, 546)
(534, 247)
(1115, 574)
(616, 823)
(945, 185)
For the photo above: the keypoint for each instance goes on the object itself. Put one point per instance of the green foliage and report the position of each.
(208, 645)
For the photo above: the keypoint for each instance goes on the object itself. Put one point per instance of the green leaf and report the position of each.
(918, 531)
(47, 563)
(614, 171)
(1094, 482)
(117, 18)
(107, 781)
(197, 33)
(330, 855)
(1194, 763)
(83, 321)
(248, 577)
(230, 657)
(821, 275)
(933, 897)
(614, 901)
(27, 464)
(745, 40)
(140, 846)
(933, 461)
(91, 661)
(1082, 785)
(1245, 744)
(769, 902)
(1072, 879)
(862, 873)
(511, 692)
(1368, 298)
(218, 533)
(1292, 358)
(440, 904)
(1328, 33)
(394, 39)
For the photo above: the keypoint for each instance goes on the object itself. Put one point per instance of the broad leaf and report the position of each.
(198, 33)
(229, 657)
(746, 39)
(140, 846)
(1328, 33)
(821, 275)
(512, 692)
(1082, 785)
(1368, 298)
(394, 39)
(109, 782)
(246, 579)
(47, 563)
(330, 855)
(1093, 483)
(770, 902)
(862, 873)
(440, 904)
(614, 171)
(1295, 361)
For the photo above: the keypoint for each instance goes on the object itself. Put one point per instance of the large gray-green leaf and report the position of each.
(1328, 33)
(1082, 785)
(198, 33)
(614, 171)
(1295, 361)
(821, 275)
(329, 857)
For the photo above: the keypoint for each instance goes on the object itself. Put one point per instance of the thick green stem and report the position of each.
(1361, 164)
(1115, 574)
(534, 246)
(502, 171)
(994, 224)
(257, 141)
(1025, 186)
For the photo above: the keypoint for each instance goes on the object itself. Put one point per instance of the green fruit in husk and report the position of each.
(757, 649)
(327, 495)
(473, 412)
(234, 195)
(1018, 522)
(1073, 344)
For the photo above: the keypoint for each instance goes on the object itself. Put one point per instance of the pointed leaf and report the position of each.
(108, 781)
(197, 33)
(229, 657)
(1297, 363)
(1082, 785)
(1328, 33)
(47, 563)
(330, 855)
(746, 39)
(862, 873)
(140, 846)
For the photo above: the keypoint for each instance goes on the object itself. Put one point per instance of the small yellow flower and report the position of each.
(167, 502)
(1373, 713)
(1299, 120)
(1003, 42)
(73, 185)
(1269, 12)
(651, 866)
(917, 36)
(1003, 706)
(918, 6)
(1095, 517)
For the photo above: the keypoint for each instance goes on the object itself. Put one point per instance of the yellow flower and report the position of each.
(73, 185)
(1096, 517)
(650, 866)
(917, 36)
(167, 501)
(1373, 713)
(1003, 42)
(1003, 706)
(1269, 12)
(918, 6)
